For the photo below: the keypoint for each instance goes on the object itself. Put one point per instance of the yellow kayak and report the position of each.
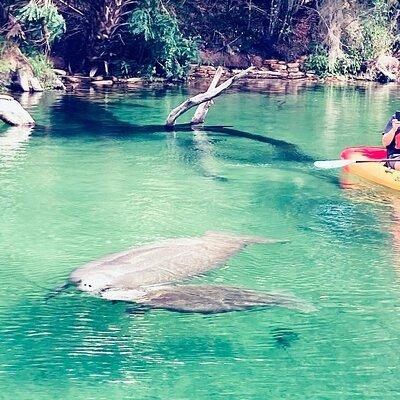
(375, 172)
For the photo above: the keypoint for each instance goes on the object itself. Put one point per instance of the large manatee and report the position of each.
(148, 274)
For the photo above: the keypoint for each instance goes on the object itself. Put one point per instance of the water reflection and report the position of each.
(12, 144)
(387, 209)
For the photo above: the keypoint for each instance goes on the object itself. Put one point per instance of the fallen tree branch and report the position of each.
(202, 110)
(202, 98)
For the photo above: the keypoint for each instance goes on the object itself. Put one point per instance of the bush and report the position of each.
(42, 69)
(318, 60)
(160, 43)
(42, 23)
(361, 35)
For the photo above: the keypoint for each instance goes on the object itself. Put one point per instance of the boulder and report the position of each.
(59, 72)
(108, 82)
(12, 113)
(20, 76)
(35, 84)
(21, 80)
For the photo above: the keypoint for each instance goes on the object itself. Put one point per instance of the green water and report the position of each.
(99, 175)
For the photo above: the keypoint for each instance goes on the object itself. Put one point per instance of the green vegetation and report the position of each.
(163, 49)
(352, 35)
(151, 37)
(43, 69)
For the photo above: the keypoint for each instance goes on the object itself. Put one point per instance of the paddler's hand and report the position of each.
(395, 123)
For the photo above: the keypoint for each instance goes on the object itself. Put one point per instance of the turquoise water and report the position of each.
(99, 175)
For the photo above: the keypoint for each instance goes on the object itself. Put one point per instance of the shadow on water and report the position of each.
(73, 116)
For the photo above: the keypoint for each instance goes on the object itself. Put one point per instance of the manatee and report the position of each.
(149, 275)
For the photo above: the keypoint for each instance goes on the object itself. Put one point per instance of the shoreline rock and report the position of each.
(12, 113)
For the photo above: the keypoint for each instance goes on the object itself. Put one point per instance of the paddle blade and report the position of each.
(333, 163)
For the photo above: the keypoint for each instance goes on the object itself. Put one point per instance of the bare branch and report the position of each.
(203, 97)
(202, 110)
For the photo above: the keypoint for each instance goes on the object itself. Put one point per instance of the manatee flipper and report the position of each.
(217, 299)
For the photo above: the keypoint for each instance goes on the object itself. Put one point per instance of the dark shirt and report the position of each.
(394, 146)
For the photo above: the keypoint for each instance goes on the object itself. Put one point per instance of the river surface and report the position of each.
(99, 175)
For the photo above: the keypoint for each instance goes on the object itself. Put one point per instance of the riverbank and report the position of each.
(266, 72)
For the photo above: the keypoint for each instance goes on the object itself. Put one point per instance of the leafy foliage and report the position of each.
(41, 22)
(163, 48)
(42, 69)
(353, 34)
(149, 37)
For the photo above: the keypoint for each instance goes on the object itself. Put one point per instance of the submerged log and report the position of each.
(12, 113)
(203, 97)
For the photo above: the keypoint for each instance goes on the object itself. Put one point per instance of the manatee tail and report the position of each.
(217, 299)
(244, 239)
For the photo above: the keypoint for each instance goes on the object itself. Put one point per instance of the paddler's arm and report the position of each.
(389, 135)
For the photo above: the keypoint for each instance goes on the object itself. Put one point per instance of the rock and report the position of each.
(83, 78)
(296, 75)
(293, 69)
(72, 79)
(35, 84)
(270, 75)
(133, 81)
(21, 80)
(108, 82)
(12, 113)
(293, 65)
(270, 61)
(97, 78)
(278, 67)
(58, 85)
(59, 72)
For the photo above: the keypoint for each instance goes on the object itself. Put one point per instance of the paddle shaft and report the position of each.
(382, 160)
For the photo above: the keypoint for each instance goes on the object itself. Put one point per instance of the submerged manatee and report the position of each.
(144, 275)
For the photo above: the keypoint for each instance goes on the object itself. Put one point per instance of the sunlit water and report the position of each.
(99, 175)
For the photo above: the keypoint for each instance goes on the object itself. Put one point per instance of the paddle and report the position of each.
(342, 163)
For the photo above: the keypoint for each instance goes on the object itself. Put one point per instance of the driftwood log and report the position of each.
(202, 110)
(12, 113)
(212, 92)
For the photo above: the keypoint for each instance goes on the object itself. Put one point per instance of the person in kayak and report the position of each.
(391, 140)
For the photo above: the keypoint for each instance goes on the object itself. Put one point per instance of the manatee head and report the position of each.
(91, 284)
